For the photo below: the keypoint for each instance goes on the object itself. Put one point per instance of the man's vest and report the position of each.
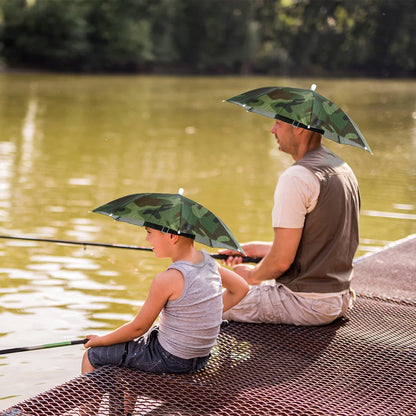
(323, 261)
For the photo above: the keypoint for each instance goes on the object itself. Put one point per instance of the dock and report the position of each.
(389, 272)
(362, 364)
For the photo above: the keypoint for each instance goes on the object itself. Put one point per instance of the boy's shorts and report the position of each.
(145, 354)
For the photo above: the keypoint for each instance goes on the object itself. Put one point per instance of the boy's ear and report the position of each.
(174, 238)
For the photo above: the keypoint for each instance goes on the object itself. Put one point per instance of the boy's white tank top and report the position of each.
(189, 325)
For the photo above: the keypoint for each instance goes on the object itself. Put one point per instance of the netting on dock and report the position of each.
(364, 364)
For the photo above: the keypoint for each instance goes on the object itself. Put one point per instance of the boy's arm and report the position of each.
(163, 286)
(235, 287)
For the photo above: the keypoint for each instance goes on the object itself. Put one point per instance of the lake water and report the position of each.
(71, 143)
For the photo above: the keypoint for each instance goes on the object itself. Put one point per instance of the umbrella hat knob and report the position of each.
(313, 87)
(180, 191)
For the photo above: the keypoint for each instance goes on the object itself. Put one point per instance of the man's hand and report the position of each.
(255, 249)
(234, 257)
(277, 257)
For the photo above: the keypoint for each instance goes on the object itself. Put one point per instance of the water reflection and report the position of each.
(71, 143)
(6, 173)
(28, 138)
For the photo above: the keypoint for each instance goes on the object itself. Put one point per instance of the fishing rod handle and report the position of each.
(245, 259)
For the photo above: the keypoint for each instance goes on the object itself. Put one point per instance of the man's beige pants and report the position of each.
(272, 302)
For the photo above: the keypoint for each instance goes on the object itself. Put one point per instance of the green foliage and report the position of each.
(118, 35)
(49, 33)
(324, 37)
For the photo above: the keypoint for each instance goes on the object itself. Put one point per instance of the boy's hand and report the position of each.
(92, 341)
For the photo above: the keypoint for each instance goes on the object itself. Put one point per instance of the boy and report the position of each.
(190, 300)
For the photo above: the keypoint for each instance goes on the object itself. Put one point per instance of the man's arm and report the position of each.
(277, 261)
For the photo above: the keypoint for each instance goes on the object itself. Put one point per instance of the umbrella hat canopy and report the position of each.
(172, 213)
(303, 108)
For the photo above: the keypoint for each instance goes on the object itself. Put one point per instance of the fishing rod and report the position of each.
(44, 346)
(224, 324)
(246, 259)
(81, 243)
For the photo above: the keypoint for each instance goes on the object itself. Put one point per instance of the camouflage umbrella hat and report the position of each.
(172, 213)
(303, 108)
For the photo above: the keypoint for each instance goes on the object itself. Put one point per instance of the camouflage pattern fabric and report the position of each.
(172, 213)
(303, 108)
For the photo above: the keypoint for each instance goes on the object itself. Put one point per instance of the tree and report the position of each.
(49, 33)
(297, 37)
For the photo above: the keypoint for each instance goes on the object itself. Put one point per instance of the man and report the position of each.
(304, 276)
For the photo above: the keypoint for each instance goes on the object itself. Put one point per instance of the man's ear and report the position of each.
(299, 130)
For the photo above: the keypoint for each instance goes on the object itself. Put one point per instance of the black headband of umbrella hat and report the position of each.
(167, 230)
